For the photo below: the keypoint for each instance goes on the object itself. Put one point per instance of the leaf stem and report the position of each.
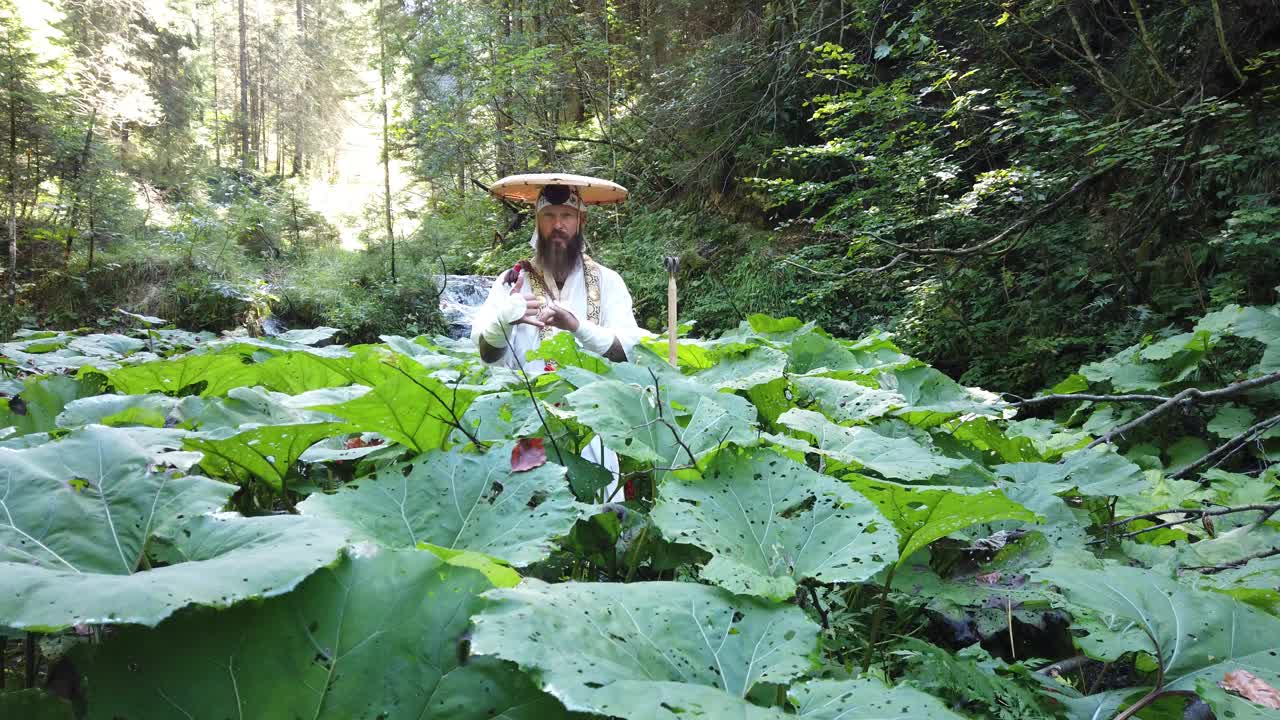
(877, 619)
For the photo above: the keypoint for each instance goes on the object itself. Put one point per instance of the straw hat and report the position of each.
(525, 188)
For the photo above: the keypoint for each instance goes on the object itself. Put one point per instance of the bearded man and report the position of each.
(561, 288)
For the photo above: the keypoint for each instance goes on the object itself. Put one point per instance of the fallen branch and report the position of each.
(1211, 569)
(1188, 396)
(887, 266)
(1067, 397)
(1065, 666)
(1192, 515)
(1222, 452)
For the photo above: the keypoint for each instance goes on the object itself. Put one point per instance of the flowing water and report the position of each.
(463, 294)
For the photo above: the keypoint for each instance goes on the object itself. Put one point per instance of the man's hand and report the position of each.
(533, 307)
(558, 316)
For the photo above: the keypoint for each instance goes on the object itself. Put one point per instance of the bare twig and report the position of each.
(1067, 397)
(1192, 515)
(887, 266)
(822, 612)
(1211, 569)
(1065, 666)
(1190, 395)
(1222, 42)
(1222, 452)
(1145, 37)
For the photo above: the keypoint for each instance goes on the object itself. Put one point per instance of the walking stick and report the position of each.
(673, 265)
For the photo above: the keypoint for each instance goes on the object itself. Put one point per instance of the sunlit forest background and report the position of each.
(1012, 189)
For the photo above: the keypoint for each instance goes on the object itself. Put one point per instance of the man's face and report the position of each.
(558, 225)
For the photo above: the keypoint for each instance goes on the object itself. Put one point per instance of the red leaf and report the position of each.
(528, 454)
(549, 366)
(1251, 687)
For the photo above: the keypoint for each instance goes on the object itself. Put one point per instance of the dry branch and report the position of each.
(1187, 397)
(1222, 452)
(1211, 569)
(1192, 515)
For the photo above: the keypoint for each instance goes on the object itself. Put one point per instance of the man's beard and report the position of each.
(559, 260)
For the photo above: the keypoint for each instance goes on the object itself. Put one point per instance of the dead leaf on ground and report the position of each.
(528, 454)
(1251, 687)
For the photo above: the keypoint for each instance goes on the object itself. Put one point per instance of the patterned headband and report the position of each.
(560, 195)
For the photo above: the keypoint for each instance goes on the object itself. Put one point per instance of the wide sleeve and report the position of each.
(486, 313)
(617, 314)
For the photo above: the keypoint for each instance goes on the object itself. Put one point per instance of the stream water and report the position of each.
(463, 294)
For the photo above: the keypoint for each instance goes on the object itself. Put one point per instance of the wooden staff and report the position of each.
(672, 264)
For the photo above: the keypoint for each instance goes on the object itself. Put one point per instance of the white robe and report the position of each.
(616, 315)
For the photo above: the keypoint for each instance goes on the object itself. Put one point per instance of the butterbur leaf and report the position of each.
(407, 406)
(527, 454)
(265, 452)
(928, 513)
(378, 635)
(1195, 633)
(865, 699)
(770, 522)
(459, 501)
(216, 561)
(1250, 687)
(900, 458)
(650, 650)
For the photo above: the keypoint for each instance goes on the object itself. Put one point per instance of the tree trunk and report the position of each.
(505, 152)
(244, 91)
(93, 231)
(217, 117)
(300, 108)
(33, 172)
(13, 178)
(386, 135)
(76, 179)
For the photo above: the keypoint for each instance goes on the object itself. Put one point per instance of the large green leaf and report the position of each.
(1096, 471)
(647, 650)
(379, 636)
(845, 401)
(865, 699)
(79, 516)
(633, 422)
(218, 371)
(89, 503)
(219, 560)
(932, 397)
(900, 458)
(770, 523)
(265, 452)
(923, 514)
(149, 410)
(743, 372)
(1126, 609)
(458, 500)
(503, 415)
(817, 353)
(250, 406)
(408, 406)
(36, 408)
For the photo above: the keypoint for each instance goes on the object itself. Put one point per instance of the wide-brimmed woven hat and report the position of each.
(525, 188)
